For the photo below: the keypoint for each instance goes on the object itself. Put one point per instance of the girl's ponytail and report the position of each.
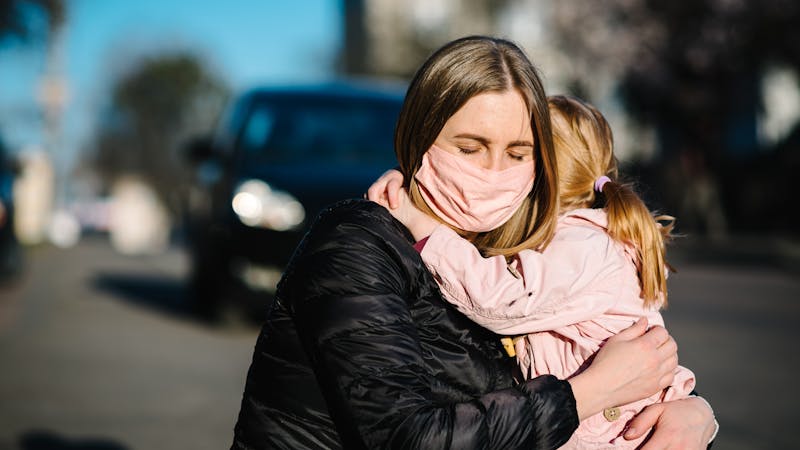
(630, 222)
(584, 151)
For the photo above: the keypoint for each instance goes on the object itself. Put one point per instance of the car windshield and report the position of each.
(320, 130)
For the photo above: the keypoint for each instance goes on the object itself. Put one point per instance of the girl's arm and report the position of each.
(575, 279)
(388, 192)
(516, 298)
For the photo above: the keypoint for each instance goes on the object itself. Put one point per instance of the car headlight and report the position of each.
(258, 205)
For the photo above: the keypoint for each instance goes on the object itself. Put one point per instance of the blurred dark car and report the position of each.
(10, 251)
(279, 156)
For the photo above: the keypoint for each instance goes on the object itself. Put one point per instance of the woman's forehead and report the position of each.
(495, 116)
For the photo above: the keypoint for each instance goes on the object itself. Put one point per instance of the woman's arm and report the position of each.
(348, 291)
(678, 424)
(633, 364)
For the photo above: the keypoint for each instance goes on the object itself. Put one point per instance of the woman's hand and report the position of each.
(678, 424)
(634, 364)
(388, 192)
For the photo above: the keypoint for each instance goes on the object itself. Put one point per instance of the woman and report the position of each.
(604, 268)
(360, 350)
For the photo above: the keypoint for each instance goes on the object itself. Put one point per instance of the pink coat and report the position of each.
(566, 301)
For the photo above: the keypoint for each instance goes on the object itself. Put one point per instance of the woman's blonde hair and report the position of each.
(454, 74)
(584, 149)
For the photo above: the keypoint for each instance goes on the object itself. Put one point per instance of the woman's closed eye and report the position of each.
(520, 155)
(468, 151)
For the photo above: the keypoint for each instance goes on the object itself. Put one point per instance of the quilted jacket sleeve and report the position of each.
(349, 293)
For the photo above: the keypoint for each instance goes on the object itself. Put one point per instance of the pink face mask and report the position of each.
(470, 197)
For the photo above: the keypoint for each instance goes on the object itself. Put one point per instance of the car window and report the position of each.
(6, 176)
(340, 131)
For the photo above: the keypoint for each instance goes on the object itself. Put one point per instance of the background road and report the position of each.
(97, 350)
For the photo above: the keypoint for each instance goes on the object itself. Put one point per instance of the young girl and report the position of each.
(603, 270)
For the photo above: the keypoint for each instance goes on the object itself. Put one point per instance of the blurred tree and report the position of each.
(152, 111)
(693, 66)
(15, 17)
(692, 70)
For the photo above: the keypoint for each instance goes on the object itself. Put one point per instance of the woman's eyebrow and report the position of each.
(486, 141)
(520, 144)
(474, 137)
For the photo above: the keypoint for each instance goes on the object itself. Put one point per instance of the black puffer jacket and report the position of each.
(360, 351)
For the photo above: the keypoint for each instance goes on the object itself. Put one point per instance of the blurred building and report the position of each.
(697, 93)
(138, 221)
(780, 90)
(33, 196)
(387, 38)
(578, 45)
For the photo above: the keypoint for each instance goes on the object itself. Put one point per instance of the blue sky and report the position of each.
(245, 42)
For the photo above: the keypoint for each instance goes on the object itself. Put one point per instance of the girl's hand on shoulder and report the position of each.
(418, 223)
(386, 190)
(678, 424)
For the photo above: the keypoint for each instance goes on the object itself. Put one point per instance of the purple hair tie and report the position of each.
(600, 182)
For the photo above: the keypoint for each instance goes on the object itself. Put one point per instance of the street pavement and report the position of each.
(98, 350)
(734, 309)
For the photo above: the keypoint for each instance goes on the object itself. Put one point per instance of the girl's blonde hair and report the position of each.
(584, 149)
(454, 74)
